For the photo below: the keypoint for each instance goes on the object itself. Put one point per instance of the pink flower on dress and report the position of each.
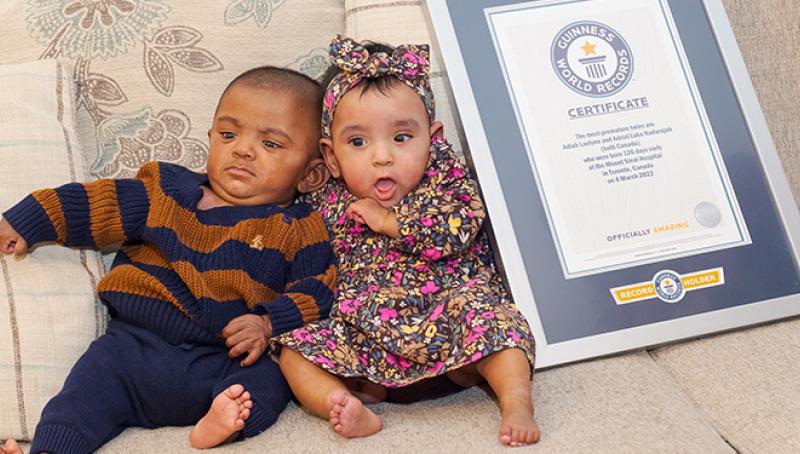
(427, 222)
(404, 364)
(324, 361)
(332, 197)
(325, 332)
(471, 282)
(475, 333)
(355, 230)
(362, 358)
(341, 219)
(348, 306)
(431, 254)
(432, 172)
(437, 367)
(409, 240)
(393, 255)
(331, 344)
(464, 197)
(387, 313)
(398, 278)
(437, 311)
(429, 287)
(476, 356)
(457, 172)
(421, 267)
(514, 336)
(391, 359)
(470, 316)
(302, 335)
(488, 315)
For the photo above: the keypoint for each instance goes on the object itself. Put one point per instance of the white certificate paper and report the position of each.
(626, 162)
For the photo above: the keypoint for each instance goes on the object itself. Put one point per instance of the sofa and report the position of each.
(95, 88)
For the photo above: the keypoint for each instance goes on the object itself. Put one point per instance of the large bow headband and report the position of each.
(408, 62)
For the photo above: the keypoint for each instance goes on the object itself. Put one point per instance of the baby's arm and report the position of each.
(95, 214)
(444, 213)
(311, 278)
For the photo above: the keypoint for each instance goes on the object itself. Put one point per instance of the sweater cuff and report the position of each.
(283, 314)
(30, 220)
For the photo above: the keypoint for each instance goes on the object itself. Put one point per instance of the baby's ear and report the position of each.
(437, 129)
(317, 175)
(326, 146)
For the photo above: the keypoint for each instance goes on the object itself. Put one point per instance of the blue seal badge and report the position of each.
(592, 59)
(669, 287)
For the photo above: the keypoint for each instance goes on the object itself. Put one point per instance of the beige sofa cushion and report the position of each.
(49, 310)
(151, 71)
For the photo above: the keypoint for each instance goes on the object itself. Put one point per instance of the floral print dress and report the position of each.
(418, 306)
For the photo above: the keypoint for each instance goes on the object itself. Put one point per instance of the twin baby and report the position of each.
(216, 269)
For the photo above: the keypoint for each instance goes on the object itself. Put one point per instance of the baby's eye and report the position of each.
(227, 135)
(357, 142)
(402, 137)
(271, 144)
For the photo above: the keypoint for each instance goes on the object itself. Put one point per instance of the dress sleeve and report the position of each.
(311, 281)
(330, 201)
(96, 214)
(443, 215)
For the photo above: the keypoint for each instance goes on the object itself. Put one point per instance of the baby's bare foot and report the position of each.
(518, 427)
(11, 447)
(350, 418)
(226, 417)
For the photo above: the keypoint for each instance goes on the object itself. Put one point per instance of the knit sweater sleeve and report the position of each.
(444, 214)
(95, 214)
(311, 281)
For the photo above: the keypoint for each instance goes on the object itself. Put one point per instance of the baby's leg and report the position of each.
(328, 397)
(226, 417)
(508, 373)
(10, 447)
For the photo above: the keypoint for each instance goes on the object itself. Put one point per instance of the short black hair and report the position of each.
(382, 84)
(307, 91)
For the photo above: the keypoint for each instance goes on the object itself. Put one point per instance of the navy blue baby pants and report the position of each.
(131, 377)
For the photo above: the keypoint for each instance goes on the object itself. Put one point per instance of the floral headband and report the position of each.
(408, 62)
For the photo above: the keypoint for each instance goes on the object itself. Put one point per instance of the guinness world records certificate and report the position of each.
(634, 191)
(629, 168)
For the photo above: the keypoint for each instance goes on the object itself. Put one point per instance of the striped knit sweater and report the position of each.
(184, 273)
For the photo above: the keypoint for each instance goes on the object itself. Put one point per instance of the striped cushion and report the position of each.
(49, 312)
(397, 22)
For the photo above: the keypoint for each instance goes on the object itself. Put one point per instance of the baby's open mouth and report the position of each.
(385, 188)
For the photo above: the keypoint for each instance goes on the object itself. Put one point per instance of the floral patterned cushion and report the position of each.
(150, 71)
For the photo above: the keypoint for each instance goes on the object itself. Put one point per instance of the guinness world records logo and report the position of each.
(669, 287)
(592, 59)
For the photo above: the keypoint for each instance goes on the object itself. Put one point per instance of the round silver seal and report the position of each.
(707, 214)
(669, 287)
(592, 59)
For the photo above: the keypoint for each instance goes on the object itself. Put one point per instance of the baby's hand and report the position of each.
(376, 217)
(11, 242)
(249, 334)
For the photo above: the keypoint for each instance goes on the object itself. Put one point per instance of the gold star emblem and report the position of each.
(588, 48)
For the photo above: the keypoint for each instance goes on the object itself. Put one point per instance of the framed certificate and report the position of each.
(634, 191)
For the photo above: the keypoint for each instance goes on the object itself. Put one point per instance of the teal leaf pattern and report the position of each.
(239, 11)
(93, 28)
(110, 132)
